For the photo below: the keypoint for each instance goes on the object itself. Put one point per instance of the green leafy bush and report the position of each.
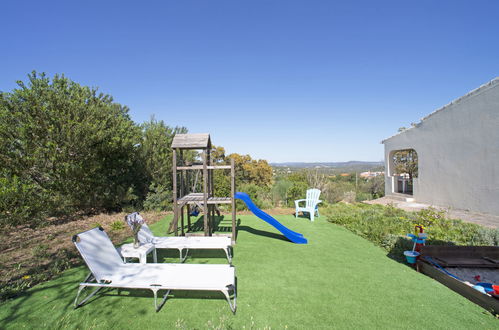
(67, 148)
(258, 194)
(387, 226)
(297, 191)
(280, 192)
(159, 198)
(67, 141)
(21, 202)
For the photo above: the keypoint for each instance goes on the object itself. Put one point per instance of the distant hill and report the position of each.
(351, 166)
(330, 165)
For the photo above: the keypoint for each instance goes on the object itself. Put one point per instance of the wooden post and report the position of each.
(205, 193)
(210, 191)
(188, 217)
(183, 182)
(210, 211)
(175, 211)
(233, 200)
(182, 221)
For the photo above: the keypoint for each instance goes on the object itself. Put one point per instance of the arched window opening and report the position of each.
(405, 169)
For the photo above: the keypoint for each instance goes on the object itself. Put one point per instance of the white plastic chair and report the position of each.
(311, 204)
(107, 270)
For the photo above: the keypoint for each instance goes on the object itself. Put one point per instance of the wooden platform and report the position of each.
(197, 198)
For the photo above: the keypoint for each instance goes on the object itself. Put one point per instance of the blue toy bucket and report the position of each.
(411, 256)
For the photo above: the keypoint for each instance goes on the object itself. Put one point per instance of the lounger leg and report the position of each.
(182, 258)
(156, 299)
(229, 256)
(233, 306)
(80, 289)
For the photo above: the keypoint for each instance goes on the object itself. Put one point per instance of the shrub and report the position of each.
(362, 196)
(280, 192)
(297, 191)
(387, 226)
(259, 195)
(349, 197)
(159, 198)
(21, 202)
(486, 236)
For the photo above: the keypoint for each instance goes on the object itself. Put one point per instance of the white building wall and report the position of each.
(458, 153)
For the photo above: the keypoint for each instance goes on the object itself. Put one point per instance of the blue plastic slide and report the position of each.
(291, 235)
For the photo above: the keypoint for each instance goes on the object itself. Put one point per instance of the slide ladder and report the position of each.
(291, 235)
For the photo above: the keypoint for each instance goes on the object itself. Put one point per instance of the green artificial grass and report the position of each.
(338, 280)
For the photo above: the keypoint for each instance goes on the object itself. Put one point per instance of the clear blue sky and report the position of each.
(280, 80)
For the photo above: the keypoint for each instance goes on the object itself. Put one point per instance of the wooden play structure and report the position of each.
(186, 176)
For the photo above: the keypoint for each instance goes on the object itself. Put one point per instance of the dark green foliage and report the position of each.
(156, 164)
(71, 144)
(21, 201)
(159, 198)
(297, 191)
(221, 183)
(67, 148)
(156, 151)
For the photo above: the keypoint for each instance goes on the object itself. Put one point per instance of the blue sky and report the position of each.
(279, 80)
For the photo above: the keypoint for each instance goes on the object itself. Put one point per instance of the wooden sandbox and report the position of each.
(465, 262)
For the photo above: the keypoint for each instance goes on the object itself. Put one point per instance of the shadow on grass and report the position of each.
(64, 290)
(303, 215)
(172, 255)
(262, 233)
(218, 225)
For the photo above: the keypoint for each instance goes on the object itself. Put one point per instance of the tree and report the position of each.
(156, 162)
(218, 155)
(71, 144)
(406, 161)
(253, 171)
(280, 191)
(375, 186)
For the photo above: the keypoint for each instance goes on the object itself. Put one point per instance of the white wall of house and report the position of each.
(458, 153)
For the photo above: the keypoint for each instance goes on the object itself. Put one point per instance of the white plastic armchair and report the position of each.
(311, 204)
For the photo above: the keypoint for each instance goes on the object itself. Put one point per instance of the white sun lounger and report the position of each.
(186, 243)
(107, 270)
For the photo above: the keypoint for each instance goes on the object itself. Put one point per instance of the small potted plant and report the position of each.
(135, 221)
